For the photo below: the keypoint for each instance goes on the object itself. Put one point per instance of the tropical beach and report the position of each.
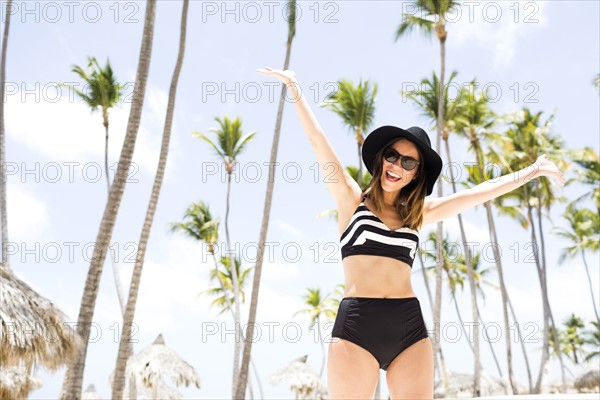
(169, 233)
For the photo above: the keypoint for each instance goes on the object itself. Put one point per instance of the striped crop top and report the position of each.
(366, 234)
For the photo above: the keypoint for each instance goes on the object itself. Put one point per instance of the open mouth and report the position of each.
(391, 176)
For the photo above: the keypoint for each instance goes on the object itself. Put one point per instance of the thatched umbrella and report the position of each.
(17, 381)
(461, 386)
(161, 391)
(155, 363)
(33, 329)
(90, 393)
(303, 381)
(588, 382)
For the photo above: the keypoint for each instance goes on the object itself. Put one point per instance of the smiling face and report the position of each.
(393, 176)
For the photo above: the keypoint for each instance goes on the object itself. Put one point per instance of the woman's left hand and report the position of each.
(545, 167)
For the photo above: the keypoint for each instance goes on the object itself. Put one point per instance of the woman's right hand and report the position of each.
(286, 76)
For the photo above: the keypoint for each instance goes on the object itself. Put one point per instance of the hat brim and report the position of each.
(385, 135)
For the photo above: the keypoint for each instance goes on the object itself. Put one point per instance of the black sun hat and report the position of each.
(385, 135)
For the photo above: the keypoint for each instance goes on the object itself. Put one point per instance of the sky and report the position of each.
(541, 55)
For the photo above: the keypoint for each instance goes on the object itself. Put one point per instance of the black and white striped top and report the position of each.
(366, 234)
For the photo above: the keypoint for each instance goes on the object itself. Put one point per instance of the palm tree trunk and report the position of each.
(520, 339)
(3, 216)
(121, 363)
(544, 271)
(505, 300)
(116, 272)
(250, 391)
(431, 305)
(492, 349)
(440, 226)
(115, 268)
(106, 154)
(545, 344)
(236, 293)
(498, 261)
(462, 324)
(587, 271)
(74, 376)
(239, 393)
(221, 284)
(255, 372)
(472, 286)
(322, 347)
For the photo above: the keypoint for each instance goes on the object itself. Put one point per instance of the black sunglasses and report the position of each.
(408, 163)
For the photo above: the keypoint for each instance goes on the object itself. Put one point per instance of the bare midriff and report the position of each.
(374, 276)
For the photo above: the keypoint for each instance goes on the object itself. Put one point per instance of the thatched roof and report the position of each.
(33, 329)
(461, 386)
(156, 362)
(90, 393)
(303, 381)
(16, 382)
(161, 391)
(588, 382)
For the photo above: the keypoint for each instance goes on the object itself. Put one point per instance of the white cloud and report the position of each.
(27, 213)
(64, 129)
(497, 26)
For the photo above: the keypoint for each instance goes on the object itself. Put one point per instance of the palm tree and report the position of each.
(4, 220)
(526, 139)
(593, 339)
(589, 174)
(124, 343)
(230, 146)
(104, 92)
(355, 105)
(224, 292)
(318, 306)
(74, 375)
(571, 339)
(476, 175)
(427, 99)
(200, 226)
(582, 236)
(239, 389)
(474, 120)
(431, 16)
(365, 177)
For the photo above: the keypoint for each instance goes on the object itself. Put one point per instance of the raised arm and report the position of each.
(440, 208)
(342, 186)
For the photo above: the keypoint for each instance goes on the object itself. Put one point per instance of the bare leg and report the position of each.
(352, 371)
(410, 375)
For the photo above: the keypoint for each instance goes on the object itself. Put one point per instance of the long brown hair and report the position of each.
(411, 198)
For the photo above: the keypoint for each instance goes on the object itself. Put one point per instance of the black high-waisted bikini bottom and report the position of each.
(384, 327)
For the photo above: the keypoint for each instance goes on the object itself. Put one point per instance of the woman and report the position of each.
(379, 322)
